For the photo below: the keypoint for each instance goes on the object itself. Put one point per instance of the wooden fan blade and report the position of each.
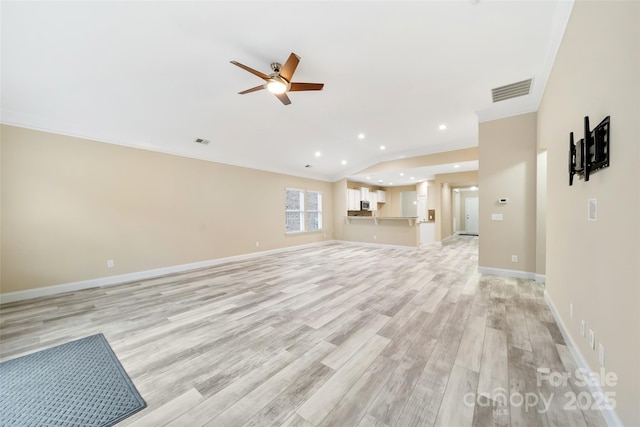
(283, 97)
(297, 87)
(289, 67)
(253, 89)
(251, 70)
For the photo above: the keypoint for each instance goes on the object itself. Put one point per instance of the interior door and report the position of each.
(471, 215)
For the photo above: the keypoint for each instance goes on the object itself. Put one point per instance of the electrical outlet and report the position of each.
(592, 339)
(601, 354)
(514, 258)
(110, 263)
(571, 310)
(257, 244)
(375, 237)
(583, 328)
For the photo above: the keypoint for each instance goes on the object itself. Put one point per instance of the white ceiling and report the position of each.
(156, 75)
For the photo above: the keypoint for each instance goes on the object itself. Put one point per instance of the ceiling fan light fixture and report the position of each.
(276, 86)
(279, 82)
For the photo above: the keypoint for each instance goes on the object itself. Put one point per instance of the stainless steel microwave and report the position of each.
(364, 205)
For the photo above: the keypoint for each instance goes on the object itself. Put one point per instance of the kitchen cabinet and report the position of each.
(353, 199)
(382, 196)
(427, 232)
(373, 199)
(364, 194)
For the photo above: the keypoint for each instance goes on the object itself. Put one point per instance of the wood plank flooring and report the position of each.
(334, 335)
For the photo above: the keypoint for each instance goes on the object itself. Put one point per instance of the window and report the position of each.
(313, 207)
(303, 210)
(294, 210)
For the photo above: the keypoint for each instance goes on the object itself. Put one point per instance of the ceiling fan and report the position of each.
(279, 82)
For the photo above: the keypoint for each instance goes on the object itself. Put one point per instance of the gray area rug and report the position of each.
(80, 383)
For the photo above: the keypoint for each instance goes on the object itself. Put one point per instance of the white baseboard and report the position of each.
(508, 273)
(139, 275)
(541, 278)
(610, 416)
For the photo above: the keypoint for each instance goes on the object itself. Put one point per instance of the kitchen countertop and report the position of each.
(410, 219)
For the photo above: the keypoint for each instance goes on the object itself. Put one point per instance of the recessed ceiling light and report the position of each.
(361, 136)
(318, 154)
(344, 162)
(474, 188)
(382, 147)
(442, 127)
(368, 177)
(401, 173)
(391, 183)
(456, 166)
(379, 180)
(412, 178)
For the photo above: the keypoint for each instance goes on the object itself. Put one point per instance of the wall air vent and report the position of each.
(201, 141)
(511, 91)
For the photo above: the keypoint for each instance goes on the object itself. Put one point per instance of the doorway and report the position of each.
(466, 211)
(471, 215)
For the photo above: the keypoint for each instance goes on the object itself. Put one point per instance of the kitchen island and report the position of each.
(411, 219)
(384, 230)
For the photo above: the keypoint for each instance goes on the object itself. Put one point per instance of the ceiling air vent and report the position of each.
(201, 141)
(513, 90)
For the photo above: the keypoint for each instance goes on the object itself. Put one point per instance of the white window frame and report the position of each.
(318, 211)
(303, 211)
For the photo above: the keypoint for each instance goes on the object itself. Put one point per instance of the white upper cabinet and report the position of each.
(364, 194)
(382, 196)
(353, 199)
(373, 199)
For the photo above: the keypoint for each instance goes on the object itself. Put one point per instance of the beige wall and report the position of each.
(446, 211)
(339, 207)
(594, 265)
(431, 194)
(541, 213)
(422, 188)
(508, 169)
(69, 205)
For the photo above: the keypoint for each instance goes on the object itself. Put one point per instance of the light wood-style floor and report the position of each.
(334, 335)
